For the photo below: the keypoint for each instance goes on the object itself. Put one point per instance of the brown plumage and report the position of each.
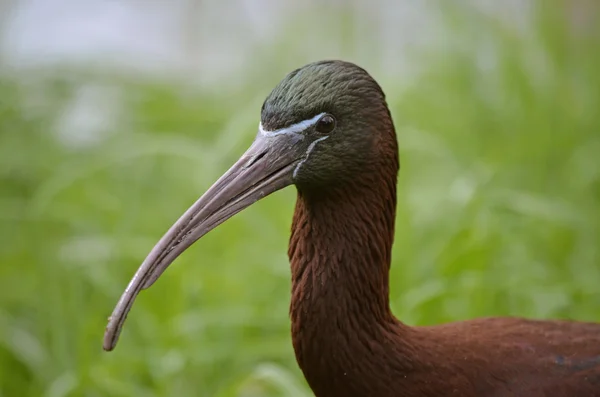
(347, 341)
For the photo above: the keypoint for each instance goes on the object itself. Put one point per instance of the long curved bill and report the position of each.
(266, 167)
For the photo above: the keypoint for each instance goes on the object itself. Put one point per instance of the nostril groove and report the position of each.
(254, 159)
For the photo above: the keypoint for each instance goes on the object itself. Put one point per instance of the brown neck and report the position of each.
(340, 251)
(340, 254)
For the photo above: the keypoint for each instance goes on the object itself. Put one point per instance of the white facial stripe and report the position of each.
(310, 149)
(292, 129)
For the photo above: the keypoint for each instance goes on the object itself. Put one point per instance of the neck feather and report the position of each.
(340, 253)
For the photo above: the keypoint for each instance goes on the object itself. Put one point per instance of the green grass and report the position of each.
(498, 214)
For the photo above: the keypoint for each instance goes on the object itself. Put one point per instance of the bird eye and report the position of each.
(326, 124)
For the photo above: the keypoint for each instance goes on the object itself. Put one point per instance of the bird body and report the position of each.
(348, 343)
(326, 128)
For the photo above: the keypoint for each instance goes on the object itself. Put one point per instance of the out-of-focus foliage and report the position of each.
(498, 214)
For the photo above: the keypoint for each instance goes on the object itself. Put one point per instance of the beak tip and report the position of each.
(111, 336)
(109, 342)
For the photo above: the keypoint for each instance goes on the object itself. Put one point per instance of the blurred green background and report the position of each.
(498, 208)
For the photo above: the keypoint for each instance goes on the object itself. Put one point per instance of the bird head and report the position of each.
(332, 118)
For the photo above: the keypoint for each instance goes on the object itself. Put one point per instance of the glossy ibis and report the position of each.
(326, 128)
